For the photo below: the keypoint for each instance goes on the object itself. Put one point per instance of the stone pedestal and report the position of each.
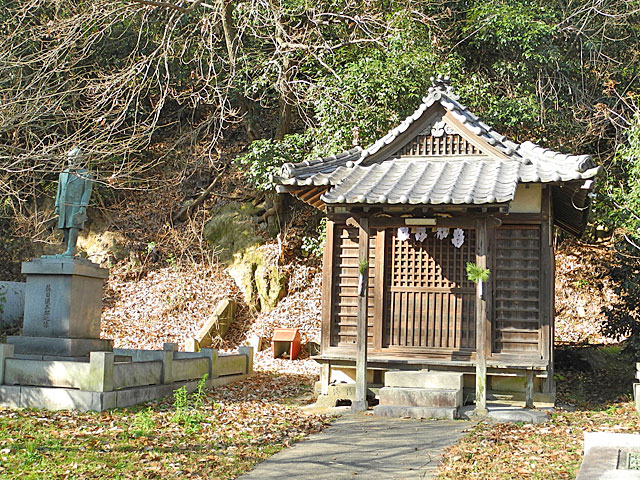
(63, 302)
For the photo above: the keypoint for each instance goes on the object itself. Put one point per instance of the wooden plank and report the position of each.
(460, 323)
(518, 299)
(492, 250)
(305, 196)
(547, 297)
(445, 290)
(327, 286)
(325, 378)
(451, 340)
(465, 222)
(481, 320)
(315, 200)
(312, 196)
(431, 324)
(410, 318)
(465, 333)
(437, 331)
(360, 401)
(473, 139)
(423, 320)
(402, 318)
(546, 285)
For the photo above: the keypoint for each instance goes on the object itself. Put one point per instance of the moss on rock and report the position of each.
(259, 278)
(270, 284)
(233, 233)
(232, 229)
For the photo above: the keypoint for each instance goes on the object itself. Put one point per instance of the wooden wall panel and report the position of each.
(345, 287)
(517, 290)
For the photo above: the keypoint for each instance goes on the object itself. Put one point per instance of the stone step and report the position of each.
(399, 411)
(423, 379)
(421, 397)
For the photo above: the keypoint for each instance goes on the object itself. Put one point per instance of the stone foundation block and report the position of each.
(10, 396)
(66, 399)
(190, 368)
(423, 379)
(336, 393)
(420, 397)
(126, 375)
(397, 411)
(44, 373)
(63, 298)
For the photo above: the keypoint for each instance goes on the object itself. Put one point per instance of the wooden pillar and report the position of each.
(360, 402)
(547, 288)
(327, 286)
(528, 390)
(481, 322)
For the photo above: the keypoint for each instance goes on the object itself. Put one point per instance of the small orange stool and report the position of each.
(286, 341)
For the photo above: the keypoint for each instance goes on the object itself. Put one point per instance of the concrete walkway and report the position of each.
(362, 446)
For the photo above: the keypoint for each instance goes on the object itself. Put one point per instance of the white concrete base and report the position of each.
(506, 413)
(602, 453)
(52, 398)
(423, 379)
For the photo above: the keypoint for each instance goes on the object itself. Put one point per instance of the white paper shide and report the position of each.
(458, 237)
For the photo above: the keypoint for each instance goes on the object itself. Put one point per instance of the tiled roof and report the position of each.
(440, 182)
(359, 176)
(319, 169)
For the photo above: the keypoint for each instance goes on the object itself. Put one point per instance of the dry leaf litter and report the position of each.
(583, 289)
(172, 303)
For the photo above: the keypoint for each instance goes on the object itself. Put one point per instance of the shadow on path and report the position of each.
(361, 446)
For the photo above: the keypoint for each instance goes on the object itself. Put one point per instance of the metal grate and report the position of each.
(628, 460)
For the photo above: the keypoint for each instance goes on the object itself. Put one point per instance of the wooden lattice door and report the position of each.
(430, 303)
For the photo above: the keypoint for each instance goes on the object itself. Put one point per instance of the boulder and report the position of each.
(232, 229)
(102, 246)
(233, 233)
(256, 273)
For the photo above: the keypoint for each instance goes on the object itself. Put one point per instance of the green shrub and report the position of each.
(314, 246)
(266, 156)
(189, 408)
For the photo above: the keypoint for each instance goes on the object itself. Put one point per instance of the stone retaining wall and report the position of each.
(11, 303)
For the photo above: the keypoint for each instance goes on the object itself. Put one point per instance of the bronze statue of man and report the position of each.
(74, 191)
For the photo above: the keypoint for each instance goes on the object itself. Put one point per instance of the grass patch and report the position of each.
(218, 434)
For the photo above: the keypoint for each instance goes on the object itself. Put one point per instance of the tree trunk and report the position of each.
(285, 108)
(231, 41)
